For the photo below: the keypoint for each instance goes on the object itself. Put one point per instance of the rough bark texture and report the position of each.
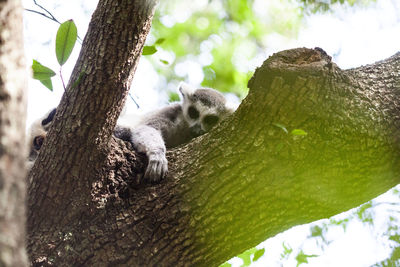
(12, 136)
(78, 142)
(228, 190)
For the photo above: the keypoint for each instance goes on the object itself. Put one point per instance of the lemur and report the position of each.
(37, 134)
(168, 127)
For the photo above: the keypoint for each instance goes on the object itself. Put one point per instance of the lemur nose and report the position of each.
(196, 130)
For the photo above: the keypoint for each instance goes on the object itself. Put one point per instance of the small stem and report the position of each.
(42, 14)
(134, 101)
(48, 12)
(63, 83)
(62, 80)
(48, 16)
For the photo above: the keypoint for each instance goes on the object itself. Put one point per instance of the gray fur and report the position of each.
(209, 97)
(165, 128)
(172, 126)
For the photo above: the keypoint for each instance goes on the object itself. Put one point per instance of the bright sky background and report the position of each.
(359, 36)
(352, 36)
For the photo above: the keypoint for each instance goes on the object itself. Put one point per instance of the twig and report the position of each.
(134, 101)
(48, 12)
(42, 14)
(47, 15)
(62, 80)
(63, 83)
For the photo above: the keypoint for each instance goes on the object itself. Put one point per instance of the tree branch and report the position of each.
(257, 181)
(246, 180)
(77, 144)
(228, 190)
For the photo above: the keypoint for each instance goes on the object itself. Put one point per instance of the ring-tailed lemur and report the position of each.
(37, 134)
(199, 111)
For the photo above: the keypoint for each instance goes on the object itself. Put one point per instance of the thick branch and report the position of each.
(248, 179)
(77, 144)
(262, 181)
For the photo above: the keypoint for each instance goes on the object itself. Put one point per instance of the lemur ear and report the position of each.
(230, 107)
(186, 90)
(49, 117)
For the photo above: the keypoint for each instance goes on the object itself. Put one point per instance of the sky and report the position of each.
(353, 37)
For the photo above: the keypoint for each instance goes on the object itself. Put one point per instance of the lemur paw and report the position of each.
(157, 167)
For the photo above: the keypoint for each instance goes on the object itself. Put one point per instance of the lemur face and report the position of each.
(37, 134)
(203, 108)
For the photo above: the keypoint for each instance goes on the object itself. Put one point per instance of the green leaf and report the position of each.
(164, 61)
(281, 127)
(303, 258)
(173, 97)
(149, 50)
(298, 132)
(160, 41)
(395, 238)
(316, 231)
(258, 254)
(41, 72)
(48, 84)
(287, 250)
(245, 256)
(225, 265)
(209, 73)
(65, 40)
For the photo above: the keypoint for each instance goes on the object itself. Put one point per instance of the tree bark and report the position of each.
(228, 190)
(12, 135)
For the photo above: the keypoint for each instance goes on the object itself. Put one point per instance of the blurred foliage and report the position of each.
(313, 6)
(303, 258)
(287, 250)
(216, 43)
(248, 257)
(219, 43)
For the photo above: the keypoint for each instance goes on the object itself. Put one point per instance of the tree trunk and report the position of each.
(228, 190)
(12, 136)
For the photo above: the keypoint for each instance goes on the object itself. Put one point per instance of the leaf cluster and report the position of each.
(222, 38)
(65, 41)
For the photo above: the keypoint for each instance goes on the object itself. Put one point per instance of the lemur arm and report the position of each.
(148, 140)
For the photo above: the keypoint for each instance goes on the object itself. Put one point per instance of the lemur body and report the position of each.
(173, 125)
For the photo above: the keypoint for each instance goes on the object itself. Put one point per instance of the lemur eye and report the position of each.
(38, 142)
(211, 120)
(193, 113)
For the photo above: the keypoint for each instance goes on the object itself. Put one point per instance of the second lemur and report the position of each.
(199, 111)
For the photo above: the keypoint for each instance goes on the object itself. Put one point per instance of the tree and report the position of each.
(12, 136)
(309, 141)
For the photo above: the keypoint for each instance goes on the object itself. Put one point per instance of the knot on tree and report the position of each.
(298, 61)
(122, 173)
(300, 56)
